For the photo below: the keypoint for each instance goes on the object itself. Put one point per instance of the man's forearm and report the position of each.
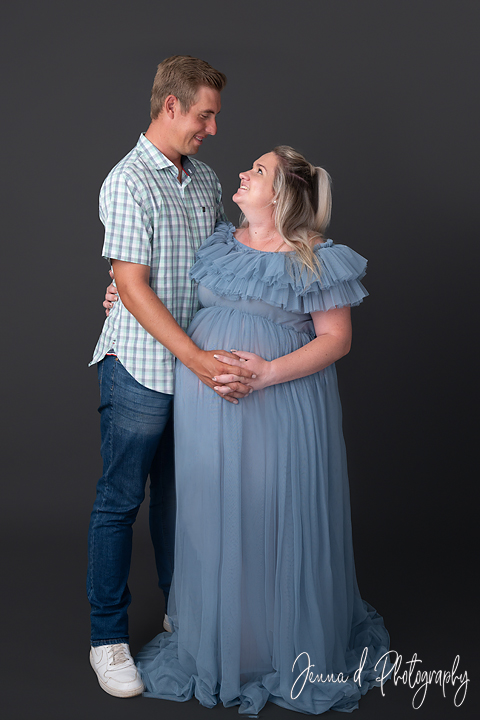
(140, 300)
(151, 313)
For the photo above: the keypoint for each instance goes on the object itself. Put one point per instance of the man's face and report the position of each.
(190, 129)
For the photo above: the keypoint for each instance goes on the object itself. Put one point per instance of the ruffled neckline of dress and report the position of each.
(242, 246)
(231, 269)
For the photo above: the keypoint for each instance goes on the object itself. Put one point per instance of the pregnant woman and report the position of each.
(264, 583)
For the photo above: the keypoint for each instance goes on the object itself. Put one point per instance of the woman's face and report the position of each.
(256, 185)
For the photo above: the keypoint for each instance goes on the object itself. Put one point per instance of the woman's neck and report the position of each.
(262, 235)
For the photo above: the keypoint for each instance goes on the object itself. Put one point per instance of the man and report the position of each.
(157, 206)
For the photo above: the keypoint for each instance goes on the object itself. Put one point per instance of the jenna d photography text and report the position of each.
(390, 667)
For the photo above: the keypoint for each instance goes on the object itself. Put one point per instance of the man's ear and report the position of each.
(171, 105)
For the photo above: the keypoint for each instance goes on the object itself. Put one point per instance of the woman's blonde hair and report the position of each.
(303, 203)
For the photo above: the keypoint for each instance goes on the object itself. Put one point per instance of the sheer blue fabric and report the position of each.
(264, 571)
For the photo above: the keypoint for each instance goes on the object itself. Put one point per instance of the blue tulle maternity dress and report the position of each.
(264, 569)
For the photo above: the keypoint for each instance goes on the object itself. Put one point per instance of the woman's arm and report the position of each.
(333, 330)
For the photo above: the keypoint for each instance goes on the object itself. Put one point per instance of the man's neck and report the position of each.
(156, 137)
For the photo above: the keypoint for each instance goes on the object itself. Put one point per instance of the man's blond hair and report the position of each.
(182, 76)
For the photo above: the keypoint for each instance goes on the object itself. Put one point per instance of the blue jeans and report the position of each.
(137, 441)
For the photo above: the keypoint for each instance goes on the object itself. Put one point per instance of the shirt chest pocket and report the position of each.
(205, 215)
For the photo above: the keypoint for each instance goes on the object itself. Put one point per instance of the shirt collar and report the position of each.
(188, 165)
(156, 159)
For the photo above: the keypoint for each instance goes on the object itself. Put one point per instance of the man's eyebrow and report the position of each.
(210, 112)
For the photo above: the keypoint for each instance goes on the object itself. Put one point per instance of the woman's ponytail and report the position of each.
(323, 210)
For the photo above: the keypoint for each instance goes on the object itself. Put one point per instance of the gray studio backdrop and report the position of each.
(382, 95)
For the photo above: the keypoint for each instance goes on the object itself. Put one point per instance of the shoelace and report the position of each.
(118, 655)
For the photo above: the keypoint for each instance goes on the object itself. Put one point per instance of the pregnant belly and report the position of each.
(220, 328)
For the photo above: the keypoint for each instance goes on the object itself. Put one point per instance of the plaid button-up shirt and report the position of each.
(152, 219)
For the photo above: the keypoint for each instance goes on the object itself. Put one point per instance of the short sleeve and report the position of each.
(128, 228)
(339, 285)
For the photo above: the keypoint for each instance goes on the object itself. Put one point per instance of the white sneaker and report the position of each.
(116, 671)
(166, 624)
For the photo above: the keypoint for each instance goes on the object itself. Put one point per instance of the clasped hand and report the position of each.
(205, 363)
(260, 369)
